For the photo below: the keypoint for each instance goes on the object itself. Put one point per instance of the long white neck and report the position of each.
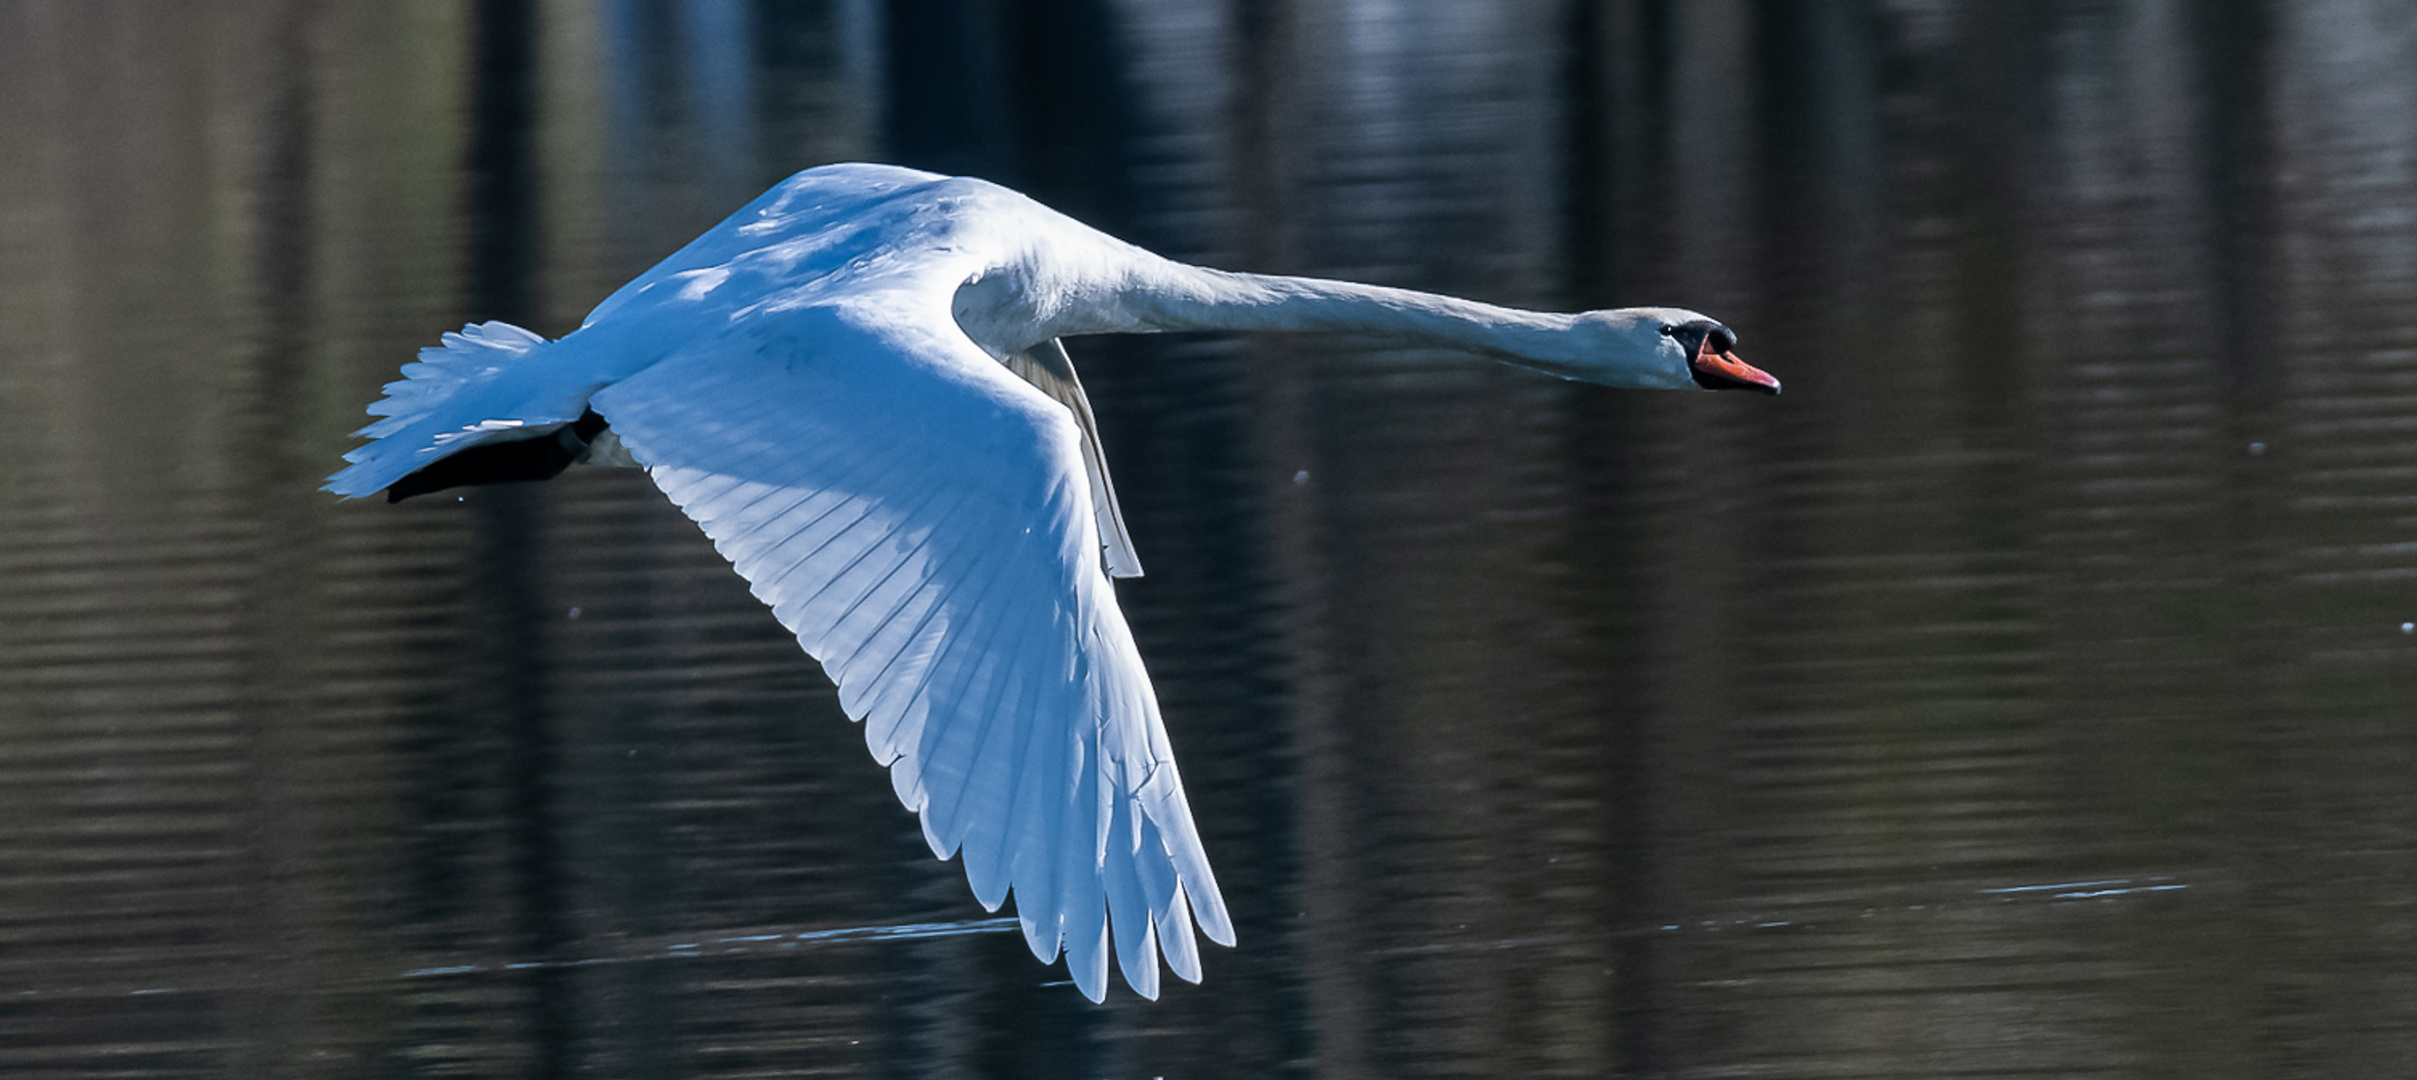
(1180, 297)
(1148, 294)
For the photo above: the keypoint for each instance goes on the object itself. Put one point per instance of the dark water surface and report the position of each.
(2028, 692)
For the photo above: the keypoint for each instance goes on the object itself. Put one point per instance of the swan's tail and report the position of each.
(476, 389)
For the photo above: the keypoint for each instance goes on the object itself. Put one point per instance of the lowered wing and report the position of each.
(1047, 367)
(923, 521)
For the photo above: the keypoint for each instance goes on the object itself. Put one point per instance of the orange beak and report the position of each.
(1717, 370)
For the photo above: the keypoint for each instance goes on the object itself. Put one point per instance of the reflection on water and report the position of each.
(2026, 691)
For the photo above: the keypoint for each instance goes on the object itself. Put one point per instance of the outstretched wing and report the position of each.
(922, 520)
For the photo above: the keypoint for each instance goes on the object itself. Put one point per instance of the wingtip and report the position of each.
(1090, 973)
(1138, 959)
(1042, 942)
(1211, 917)
(1087, 959)
(942, 848)
(1147, 987)
(1176, 940)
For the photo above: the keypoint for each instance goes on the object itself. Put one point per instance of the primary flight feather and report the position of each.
(855, 386)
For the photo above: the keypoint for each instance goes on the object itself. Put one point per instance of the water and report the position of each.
(2025, 693)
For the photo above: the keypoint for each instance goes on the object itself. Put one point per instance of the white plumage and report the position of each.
(854, 386)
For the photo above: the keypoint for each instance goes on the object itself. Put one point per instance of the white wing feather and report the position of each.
(922, 520)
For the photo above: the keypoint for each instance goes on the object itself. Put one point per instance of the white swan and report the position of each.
(854, 385)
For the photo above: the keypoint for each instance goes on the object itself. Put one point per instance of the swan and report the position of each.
(855, 386)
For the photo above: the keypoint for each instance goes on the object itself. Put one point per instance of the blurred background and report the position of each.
(2031, 691)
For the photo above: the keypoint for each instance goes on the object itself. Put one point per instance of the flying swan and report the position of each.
(855, 386)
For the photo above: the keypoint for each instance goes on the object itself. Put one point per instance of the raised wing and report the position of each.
(922, 520)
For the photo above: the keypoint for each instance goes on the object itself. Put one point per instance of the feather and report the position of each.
(953, 587)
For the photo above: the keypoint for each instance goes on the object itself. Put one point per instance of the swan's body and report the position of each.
(854, 386)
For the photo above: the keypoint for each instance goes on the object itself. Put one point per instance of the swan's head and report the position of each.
(1662, 349)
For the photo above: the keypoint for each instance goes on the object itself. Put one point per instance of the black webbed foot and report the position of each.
(537, 458)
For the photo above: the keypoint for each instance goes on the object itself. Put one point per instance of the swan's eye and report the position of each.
(1668, 329)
